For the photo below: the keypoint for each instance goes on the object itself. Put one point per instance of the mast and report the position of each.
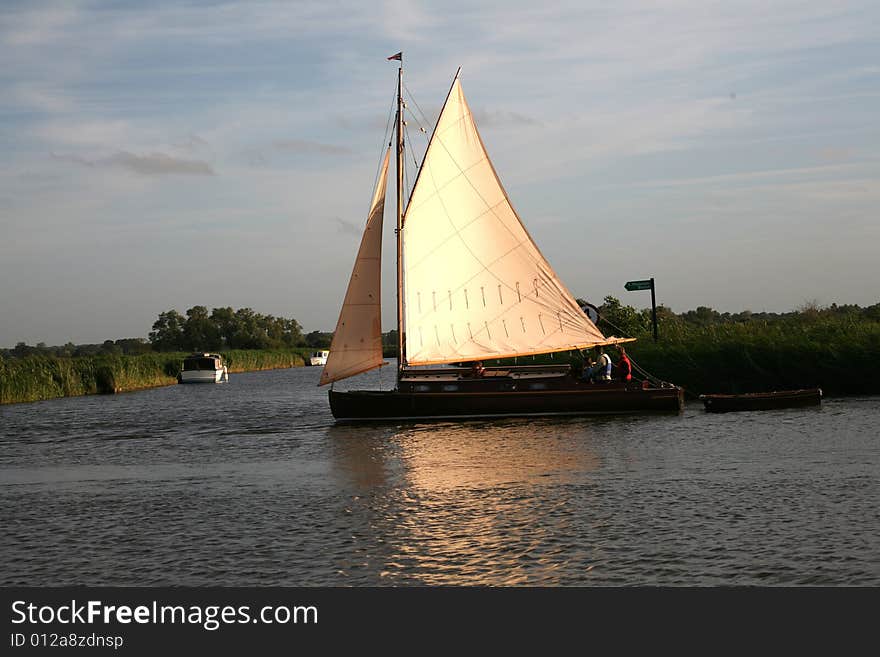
(399, 230)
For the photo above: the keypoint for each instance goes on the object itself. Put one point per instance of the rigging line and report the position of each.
(412, 151)
(385, 138)
(415, 118)
(411, 143)
(391, 112)
(415, 160)
(406, 185)
(623, 334)
(641, 370)
(413, 98)
(655, 379)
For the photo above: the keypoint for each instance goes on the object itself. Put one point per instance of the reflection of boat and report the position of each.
(761, 401)
(444, 531)
(319, 358)
(471, 286)
(203, 368)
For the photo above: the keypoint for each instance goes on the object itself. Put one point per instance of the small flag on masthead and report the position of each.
(398, 56)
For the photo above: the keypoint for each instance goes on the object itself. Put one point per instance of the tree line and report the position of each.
(621, 320)
(225, 328)
(197, 330)
(125, 346)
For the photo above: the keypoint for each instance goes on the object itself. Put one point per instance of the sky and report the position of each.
(162, 155)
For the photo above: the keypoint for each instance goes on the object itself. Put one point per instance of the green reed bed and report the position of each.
(839, 355)
(241, 360)
(47, 377)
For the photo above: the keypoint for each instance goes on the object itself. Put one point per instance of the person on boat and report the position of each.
(600, 369)
(477, 369)
(623, 367)
(587, 373)
(603, 365)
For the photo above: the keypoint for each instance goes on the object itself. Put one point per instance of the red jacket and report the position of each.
(624, 368)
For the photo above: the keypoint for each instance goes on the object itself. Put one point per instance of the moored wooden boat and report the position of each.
(760, 401)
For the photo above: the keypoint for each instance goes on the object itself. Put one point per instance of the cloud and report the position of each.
(301, 146)
(502, 118)
(192, 143)
(160, 164)
(731, 179)
(264, 155)
(46, 98)
(97, 133)
(38, 26)
(154, 164)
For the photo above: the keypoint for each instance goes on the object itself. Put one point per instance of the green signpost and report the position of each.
(640, 285)
(647, 284)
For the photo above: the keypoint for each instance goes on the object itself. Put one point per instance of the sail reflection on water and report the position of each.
(465, 503)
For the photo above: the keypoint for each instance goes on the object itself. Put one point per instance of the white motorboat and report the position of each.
(319, 358)
(203, 368)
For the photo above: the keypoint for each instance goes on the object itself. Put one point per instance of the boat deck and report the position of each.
(490, 373)
(517, 378)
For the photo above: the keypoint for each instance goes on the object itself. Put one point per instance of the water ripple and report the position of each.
(251, 483)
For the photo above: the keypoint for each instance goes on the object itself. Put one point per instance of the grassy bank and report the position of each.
(249, 360)
(47, 377)
(839, 354)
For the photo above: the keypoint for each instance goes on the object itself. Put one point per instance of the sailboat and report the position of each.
(472, 286)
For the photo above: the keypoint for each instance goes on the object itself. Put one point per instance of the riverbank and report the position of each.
(838, 355)
(35, 378)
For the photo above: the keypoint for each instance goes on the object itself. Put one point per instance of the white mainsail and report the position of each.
(475, 284)
(357, 341)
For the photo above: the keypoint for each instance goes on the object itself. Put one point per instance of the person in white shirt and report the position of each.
(603, 366)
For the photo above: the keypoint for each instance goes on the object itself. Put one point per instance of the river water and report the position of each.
(251, 483)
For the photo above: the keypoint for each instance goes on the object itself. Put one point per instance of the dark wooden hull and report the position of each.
(762, 401)
(365, 405)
